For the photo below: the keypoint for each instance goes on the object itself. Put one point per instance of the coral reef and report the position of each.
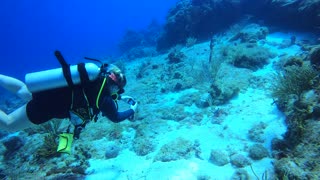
(49, 147)
(50, 144)
(294, 81)
(201, 19)
(291, 13)
(287, 169)
(303, 160)
(297, 94)
(198, 19)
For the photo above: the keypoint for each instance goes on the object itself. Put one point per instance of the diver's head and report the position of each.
(116, 77)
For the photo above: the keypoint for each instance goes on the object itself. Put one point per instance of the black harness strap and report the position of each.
(84, 77)
(65, 68)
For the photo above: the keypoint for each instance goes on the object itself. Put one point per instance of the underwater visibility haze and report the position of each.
(220, 89)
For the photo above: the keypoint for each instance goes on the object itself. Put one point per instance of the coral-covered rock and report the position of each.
(219, 157)
(178, 149)
(143, 146)
(178, 114)
(221, 95)
(251, 34)
(293, 61)
(256, 133)
(225, 86)
(257, 152)
(239, 160)
(251, 57)
(315, 56)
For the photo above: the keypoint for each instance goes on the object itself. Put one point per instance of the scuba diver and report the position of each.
(83, 90)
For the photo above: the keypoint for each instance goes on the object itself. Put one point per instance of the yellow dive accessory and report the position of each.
(65, 142)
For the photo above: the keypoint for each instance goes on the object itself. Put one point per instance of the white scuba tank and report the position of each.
(54, 78)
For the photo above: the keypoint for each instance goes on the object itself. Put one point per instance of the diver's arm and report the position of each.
(109, 109)
(15, 86)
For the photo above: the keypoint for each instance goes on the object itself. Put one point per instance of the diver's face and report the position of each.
(114, 89)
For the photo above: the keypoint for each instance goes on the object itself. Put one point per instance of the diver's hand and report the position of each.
(134, 106)
(126, 98)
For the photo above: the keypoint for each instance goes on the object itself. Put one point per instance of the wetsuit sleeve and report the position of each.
(109, 109)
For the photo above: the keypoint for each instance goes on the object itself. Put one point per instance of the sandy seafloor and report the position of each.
(252, 106)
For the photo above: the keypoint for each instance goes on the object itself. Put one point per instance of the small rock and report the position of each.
(204, 101)
(240, 174)
(315, 56)
(178, 87)
(2, 174)
(69, 176)
(3, 134)
(12, 145)
(112, 150)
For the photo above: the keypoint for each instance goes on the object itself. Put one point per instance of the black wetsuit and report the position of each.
(56, 103)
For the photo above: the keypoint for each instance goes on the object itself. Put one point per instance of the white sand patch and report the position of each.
(248, 109)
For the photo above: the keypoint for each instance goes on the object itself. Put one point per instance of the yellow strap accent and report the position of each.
(100, 91)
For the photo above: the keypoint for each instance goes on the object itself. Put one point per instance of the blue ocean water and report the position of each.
(32, 30)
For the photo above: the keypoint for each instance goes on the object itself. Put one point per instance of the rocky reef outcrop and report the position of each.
(202, 19)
